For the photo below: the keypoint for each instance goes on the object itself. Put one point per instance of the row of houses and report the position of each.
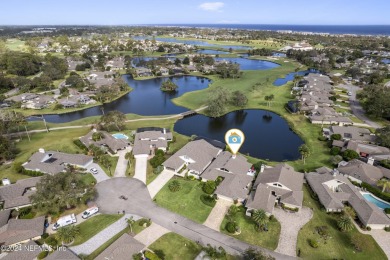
(281, 184)
(314, 101)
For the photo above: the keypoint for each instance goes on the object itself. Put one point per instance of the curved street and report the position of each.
(138, 201)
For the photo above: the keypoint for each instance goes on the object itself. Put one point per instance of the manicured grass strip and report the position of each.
(186, 201)
(176, 247)
(107, 244)
(338, 244)
(249, 233)
(94, 225)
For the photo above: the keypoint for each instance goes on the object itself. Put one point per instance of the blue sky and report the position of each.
(115, 12)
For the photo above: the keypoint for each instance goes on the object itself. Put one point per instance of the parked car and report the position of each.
(64, 221)
(349, 93)
(94, 171)
(89, 212)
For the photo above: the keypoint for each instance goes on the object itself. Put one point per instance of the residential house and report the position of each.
(108, 141)
(143, 72)
(196, 156)
(17, 231)
(236, 173)
(123, 248)
(350, 133)
(363, 172)
(39, 102)
(116, 63)
(52, 162)
(15, 196)
(280, 184)
(101, 78)
(335, 191)
(148, 139)
(72, 63)
(26, 252)
(24, 97)
(62, 253)
(378, 153)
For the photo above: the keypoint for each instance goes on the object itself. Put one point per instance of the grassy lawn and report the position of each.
(107, 244)
(185, 202)
(308, 132)
(15, 45)
(94, 225)
(338, 245)
(137, 228)
(88, 178)
(150, 175)
(61, 140)
(176, 247)
(250, 235)
(110, 171)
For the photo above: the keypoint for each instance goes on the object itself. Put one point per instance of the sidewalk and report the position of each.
(162, 179)
(149, 235)
(102, 237)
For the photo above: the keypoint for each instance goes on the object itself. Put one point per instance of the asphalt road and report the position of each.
(139, 202)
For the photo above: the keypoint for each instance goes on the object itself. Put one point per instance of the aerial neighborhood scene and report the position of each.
(191, 130)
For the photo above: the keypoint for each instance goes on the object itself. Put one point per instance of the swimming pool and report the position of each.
(120, 136)
(378, 202)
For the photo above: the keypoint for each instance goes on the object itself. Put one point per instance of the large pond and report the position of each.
(193, 42)
(245, 64)
(290, 77)
(146, 98)
(267, 135)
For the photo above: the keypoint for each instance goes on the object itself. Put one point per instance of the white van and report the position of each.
(64, 221)
(89, 212)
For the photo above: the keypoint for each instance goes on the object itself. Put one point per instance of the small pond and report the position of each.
(267, 135)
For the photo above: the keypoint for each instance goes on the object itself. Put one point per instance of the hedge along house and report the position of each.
(277, 185)
(335, 191)
(52, 162)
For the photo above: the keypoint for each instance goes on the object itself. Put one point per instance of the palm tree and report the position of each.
(67, 234)
(260, 217)
(304, 151)
(174, 186)
(385, 184)
(128, 156)
(130, 222)
(345, 223)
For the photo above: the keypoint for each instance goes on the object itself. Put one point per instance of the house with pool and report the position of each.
(147, 140)
(335, 191)
(114, 142)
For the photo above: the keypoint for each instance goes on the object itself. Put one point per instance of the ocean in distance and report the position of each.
(331, 29)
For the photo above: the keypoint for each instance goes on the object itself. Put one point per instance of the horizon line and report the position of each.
(178, 24)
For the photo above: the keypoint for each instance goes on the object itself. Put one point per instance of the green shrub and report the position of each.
(32, 173)
(151, 256)
(377, 192)
(322, 138)
(51, 241)
(174, 186)
(42, 254)
(335, 151)
(335, 137)
(387, 210)
(231, 227)
(387, 229)
(368, 228)
(350, 155)
(209, 187)
(18, 167)
(144, 221)
(80, 144)
(208, 200)
(45, 235)
(138, 256)
(313, 243)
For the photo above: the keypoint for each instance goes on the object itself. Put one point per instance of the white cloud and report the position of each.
(212, 6)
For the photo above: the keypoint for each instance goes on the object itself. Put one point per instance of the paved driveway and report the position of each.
(139, 202)
(101, 175)
(141, 164)
(121, 166)
(151, 234)
(291, 223)
(217, 214)
(155, 186)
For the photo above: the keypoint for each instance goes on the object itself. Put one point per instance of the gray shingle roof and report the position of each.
(262, 198)
(17, 230)
(353, 133)
(333, 198)
(53, 162)
(236, 180)
(16, 195)
(369, 149)
(123, 248)
(108, 140)
(24, 253)
(62, 253)
(199, 151)
(145, 139)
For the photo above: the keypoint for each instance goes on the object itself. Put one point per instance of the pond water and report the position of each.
(212, 52)
(267, 135)
(386, 61)
(193, 42)
(146, 98)
(290, 77)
